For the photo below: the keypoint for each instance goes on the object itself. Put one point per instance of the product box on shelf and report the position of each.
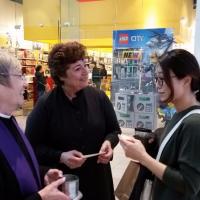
(24, 53)
(145, 103)
(27, 59)
(30, 62)
(30, 70)
(105, 84)
(20, 54)
(129, 86)
(144, 120)
(29, 78)
(136, 110)
(124, 103)
(125, 120)
(22, 62)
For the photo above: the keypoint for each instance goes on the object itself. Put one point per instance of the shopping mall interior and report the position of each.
(30, 28)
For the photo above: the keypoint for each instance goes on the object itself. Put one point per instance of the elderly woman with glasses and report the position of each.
(19, 171)
(177, 164)
(75, 120)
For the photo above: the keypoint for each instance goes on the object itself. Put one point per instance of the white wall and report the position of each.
(11, 15)
(197, 34)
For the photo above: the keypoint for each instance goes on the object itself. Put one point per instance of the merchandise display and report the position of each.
(101, 58)
(125, 120)
(29, 59)
(106, 84)
(28, 63)
(43, 60)
(136, 110)
(134, 61)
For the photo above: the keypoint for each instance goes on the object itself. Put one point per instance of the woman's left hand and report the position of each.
(107, 153)
(52, 175)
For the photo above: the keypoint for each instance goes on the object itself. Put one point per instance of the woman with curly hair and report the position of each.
(75, 120)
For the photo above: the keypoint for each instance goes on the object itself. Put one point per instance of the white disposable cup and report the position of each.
(71, 185)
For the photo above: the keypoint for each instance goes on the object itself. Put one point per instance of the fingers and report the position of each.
(72, 159)
(127, 142)
(51, 191)
(77, 154)
(126, 138)
(55, 173)
(75, 162)
(123, 142)
(52, 175)
(107, 153)
(106, 147)
(58, 182)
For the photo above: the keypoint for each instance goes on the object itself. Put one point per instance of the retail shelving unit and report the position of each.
(28, 63)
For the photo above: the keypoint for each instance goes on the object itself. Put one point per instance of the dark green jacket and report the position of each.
(181, 180)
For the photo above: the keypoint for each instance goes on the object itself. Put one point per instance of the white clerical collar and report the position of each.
(5, 116)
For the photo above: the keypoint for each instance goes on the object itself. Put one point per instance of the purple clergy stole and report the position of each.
(17, 161)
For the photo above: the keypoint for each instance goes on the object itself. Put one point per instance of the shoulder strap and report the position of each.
(167, 138)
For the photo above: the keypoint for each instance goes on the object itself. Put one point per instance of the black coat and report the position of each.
(57, 125)
(96, 75)
(40, 81)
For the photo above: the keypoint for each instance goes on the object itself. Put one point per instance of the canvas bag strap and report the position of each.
(167, 138)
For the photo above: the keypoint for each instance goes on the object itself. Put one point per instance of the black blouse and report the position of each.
(58, 124)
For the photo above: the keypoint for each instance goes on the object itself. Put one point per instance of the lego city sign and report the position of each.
(123, 39)
(142, 38)
(136, 38)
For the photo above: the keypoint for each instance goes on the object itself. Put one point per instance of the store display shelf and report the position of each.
(45, 61)
(26, 58)
(33, 65)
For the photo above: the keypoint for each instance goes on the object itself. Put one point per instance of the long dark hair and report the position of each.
(182, 63)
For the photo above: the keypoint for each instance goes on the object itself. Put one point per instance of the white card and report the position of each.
(92, 155)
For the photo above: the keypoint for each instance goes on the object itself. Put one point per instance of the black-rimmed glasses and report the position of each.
(20, 76)
(160, 80)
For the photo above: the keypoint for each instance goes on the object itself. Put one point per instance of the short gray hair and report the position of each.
(8, 63)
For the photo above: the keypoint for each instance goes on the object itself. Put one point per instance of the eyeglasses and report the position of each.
(160, 80)
(20, 76)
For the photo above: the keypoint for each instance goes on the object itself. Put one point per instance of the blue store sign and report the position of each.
(140, 38)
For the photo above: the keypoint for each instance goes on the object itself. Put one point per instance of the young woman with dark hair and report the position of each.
(177, 165)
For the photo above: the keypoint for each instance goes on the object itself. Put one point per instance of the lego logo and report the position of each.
(123, 39)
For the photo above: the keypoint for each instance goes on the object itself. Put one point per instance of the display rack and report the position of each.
(133, 89)
(106, 59)
(28, 63)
